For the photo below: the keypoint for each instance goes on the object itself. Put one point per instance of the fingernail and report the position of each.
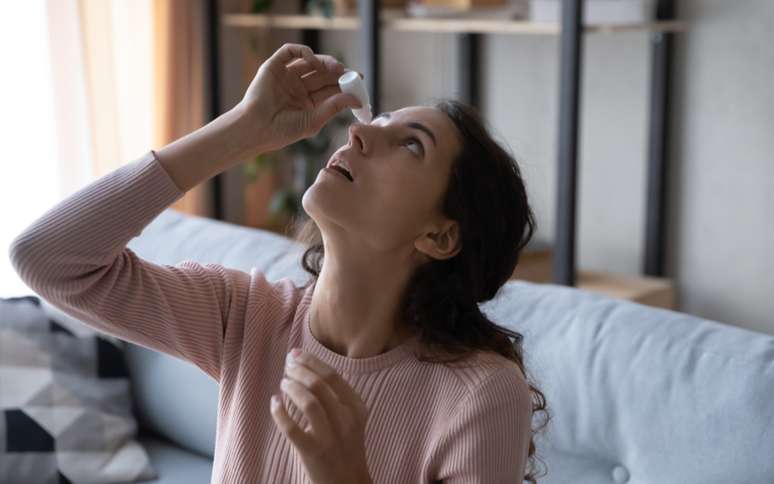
(290, 362)
(296, 352)
(274, 403)
(285, 383)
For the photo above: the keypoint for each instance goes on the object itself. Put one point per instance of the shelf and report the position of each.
(397, 21)
(652, 291)
(535, 266)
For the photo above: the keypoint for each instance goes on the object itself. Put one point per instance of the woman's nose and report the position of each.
(357, 136)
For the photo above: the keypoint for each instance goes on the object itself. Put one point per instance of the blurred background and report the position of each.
(90, 85)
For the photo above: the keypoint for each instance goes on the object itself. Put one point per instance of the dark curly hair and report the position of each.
(487, 196)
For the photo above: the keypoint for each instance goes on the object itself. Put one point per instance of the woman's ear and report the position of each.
(442, 243)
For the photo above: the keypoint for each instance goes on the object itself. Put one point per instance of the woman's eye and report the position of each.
(416, 142)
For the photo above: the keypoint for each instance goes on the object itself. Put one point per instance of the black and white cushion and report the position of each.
(65, 403)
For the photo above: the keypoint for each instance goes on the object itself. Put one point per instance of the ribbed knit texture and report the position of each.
(428, 422)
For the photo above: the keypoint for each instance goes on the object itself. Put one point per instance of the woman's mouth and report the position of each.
(339, 171)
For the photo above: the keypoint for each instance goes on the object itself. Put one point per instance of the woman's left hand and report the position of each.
(292, 96)
(332, 449)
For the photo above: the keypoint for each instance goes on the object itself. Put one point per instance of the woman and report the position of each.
(428, 220)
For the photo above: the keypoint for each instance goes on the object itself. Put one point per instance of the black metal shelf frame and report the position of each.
(571, 63)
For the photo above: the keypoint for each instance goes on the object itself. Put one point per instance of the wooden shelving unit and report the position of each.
(555, 264)
(535, 266)
(396, 21)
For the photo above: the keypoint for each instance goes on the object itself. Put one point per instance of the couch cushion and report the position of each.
(174, 398)
(642, 393)
(65, 413)
(175, 465)
(173, 237)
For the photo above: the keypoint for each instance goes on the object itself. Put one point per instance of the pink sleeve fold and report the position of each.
(487, 440)
(75, 256)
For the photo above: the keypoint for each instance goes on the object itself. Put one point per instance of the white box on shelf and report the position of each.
(596, 11)
(511, 9)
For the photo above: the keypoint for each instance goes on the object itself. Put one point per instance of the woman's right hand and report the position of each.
(293, 95)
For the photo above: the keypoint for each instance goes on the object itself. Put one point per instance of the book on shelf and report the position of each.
(595, 12)
(498, 9)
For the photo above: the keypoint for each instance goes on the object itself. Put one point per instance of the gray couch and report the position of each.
(636, 393)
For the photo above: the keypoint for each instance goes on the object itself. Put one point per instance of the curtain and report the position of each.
(29, 184)
(180, 69)
(128, 76)
(91, 85)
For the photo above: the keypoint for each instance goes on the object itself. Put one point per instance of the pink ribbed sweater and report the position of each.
(427, 422)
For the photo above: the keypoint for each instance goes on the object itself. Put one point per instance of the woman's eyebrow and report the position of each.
(421, 127)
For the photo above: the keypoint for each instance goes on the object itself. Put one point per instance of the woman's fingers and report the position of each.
(314, 79)
(290, 82)
(290, 52)
(310, 79)
(287, 54)
(321, 95)
(331, 104)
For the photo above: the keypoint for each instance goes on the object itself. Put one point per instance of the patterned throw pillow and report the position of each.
(65, 403)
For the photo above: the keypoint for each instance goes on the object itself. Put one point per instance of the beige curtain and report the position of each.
(180, 67)
(128, 76)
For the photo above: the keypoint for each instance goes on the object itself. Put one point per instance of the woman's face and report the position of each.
(400, 164)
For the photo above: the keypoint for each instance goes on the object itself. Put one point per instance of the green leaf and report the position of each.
(320, 7)
(260, 6)
(283, 202)
(250, 171)
(264, 160)
(258, 165)
(327, 9)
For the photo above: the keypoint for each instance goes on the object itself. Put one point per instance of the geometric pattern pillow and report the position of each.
(65, 403)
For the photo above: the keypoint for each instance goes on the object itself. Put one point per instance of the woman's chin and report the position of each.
(320, 201)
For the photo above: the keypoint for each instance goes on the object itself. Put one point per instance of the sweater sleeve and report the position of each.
(487, 439)
(75, 256)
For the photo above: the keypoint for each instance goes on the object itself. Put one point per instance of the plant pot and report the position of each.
(257, 195)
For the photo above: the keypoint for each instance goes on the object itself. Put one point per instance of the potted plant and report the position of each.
(293, 169)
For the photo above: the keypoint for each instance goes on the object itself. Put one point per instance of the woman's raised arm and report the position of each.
(292, 96)
(75, 257)
(75, 254)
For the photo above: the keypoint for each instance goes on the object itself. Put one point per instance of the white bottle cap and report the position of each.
(351, 83)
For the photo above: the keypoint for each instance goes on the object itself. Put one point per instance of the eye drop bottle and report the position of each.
(351, 83)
